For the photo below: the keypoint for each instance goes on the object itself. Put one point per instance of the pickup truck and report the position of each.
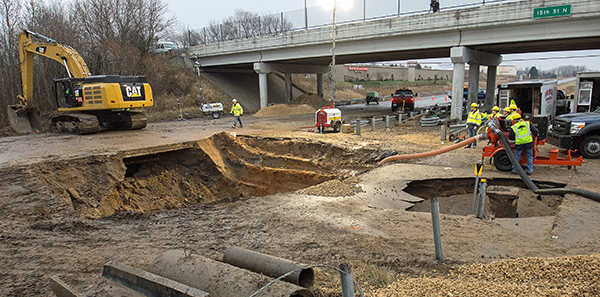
(577, 131)
(403, 99)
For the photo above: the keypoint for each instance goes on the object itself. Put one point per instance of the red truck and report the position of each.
(403, 99)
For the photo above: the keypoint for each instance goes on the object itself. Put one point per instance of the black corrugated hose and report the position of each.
(527, 180)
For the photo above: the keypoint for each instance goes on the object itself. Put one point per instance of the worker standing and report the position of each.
(523, 132)
(434, 6)
(513, 112)
(495, 113)
(473, 122)
(505, 112)
(237, 111)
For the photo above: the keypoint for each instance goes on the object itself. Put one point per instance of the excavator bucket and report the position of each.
(24, 120)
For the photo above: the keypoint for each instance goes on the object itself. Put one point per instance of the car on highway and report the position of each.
(165, 48)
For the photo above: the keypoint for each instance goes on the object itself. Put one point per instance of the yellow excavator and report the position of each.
(88, 103)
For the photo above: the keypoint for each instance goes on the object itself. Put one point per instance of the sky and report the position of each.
(198, 14)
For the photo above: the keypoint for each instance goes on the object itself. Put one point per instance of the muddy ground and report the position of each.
(69, 204)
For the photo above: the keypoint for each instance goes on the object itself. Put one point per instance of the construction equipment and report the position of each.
(328, 117)
(496, 151)
(87, 103)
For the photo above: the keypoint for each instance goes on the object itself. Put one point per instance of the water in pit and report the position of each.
(222, 166)
(506, 198)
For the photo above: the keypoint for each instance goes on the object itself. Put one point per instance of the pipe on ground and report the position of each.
(219, 279)
(436, 152)
(269, 266)
(527, 180)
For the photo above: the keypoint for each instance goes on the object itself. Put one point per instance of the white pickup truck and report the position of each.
(213, 109)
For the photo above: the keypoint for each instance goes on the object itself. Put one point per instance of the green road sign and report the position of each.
(551, 11)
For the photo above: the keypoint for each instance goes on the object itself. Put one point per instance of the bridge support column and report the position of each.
(320, 84)
(458, 82)
(288, 87)
(473, 83)
(263, 89)
(490, 90)
(459, 56)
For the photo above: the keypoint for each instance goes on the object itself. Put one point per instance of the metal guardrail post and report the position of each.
(358, 124)
(437, 233)
(443, 133)
(399, 118)
(373, 124)
(482, 188)
(346, 280)
(387, 121)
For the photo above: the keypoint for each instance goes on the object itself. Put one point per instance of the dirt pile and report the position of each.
(281, 110)
(564, 276)
(313, 100)
(332, 188)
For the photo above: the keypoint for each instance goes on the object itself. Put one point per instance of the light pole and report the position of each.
(333, 34)
(332, 71)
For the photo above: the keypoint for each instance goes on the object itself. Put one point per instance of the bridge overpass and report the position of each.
(476, 35)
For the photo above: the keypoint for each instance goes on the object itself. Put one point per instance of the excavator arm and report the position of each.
(49, 48)
(23, 117)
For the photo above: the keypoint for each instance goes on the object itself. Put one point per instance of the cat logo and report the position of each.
(41, 49)
(133, 91)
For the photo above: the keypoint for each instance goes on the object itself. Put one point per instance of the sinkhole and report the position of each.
(505, 197)
(220, 167)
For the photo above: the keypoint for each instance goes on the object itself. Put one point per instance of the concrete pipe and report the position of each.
(269, 266)
(219, 279)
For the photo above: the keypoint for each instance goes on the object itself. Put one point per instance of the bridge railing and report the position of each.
(318, 16)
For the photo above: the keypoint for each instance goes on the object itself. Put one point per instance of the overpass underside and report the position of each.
(476, 36)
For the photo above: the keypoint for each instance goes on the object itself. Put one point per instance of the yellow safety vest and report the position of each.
(474, 117)
(237, 110)
(522, 133)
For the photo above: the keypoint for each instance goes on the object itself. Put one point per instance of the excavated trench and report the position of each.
(505, 198)
(203, 171)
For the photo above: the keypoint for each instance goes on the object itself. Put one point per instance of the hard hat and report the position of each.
(234, 100)
(507, 109)
(516, 116)
(496, 108)
(474, 105)
(513, 106)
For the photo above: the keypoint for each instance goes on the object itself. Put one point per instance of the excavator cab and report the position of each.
(69, 92)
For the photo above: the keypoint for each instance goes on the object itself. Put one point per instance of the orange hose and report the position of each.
(436, 152)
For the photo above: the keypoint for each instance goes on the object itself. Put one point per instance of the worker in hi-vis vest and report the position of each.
(473, 122)
(237, 111)
(523, 133)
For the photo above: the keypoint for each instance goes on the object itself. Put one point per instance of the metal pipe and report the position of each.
(436, 152)
(269, 266)
(346, 280)
(387, 121)
(217, 278)
(482, 188)
(373, 124)
(358, 125)
(437, 233)
(475, 194)
(558, 191)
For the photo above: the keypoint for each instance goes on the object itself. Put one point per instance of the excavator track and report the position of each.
(135, 120)
(76, 123)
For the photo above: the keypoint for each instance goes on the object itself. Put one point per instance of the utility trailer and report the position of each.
(587, 91)
(534, 97)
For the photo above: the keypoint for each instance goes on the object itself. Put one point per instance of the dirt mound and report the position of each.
(332, 188)
(313, 100)
(281, 110)
(573, 276)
